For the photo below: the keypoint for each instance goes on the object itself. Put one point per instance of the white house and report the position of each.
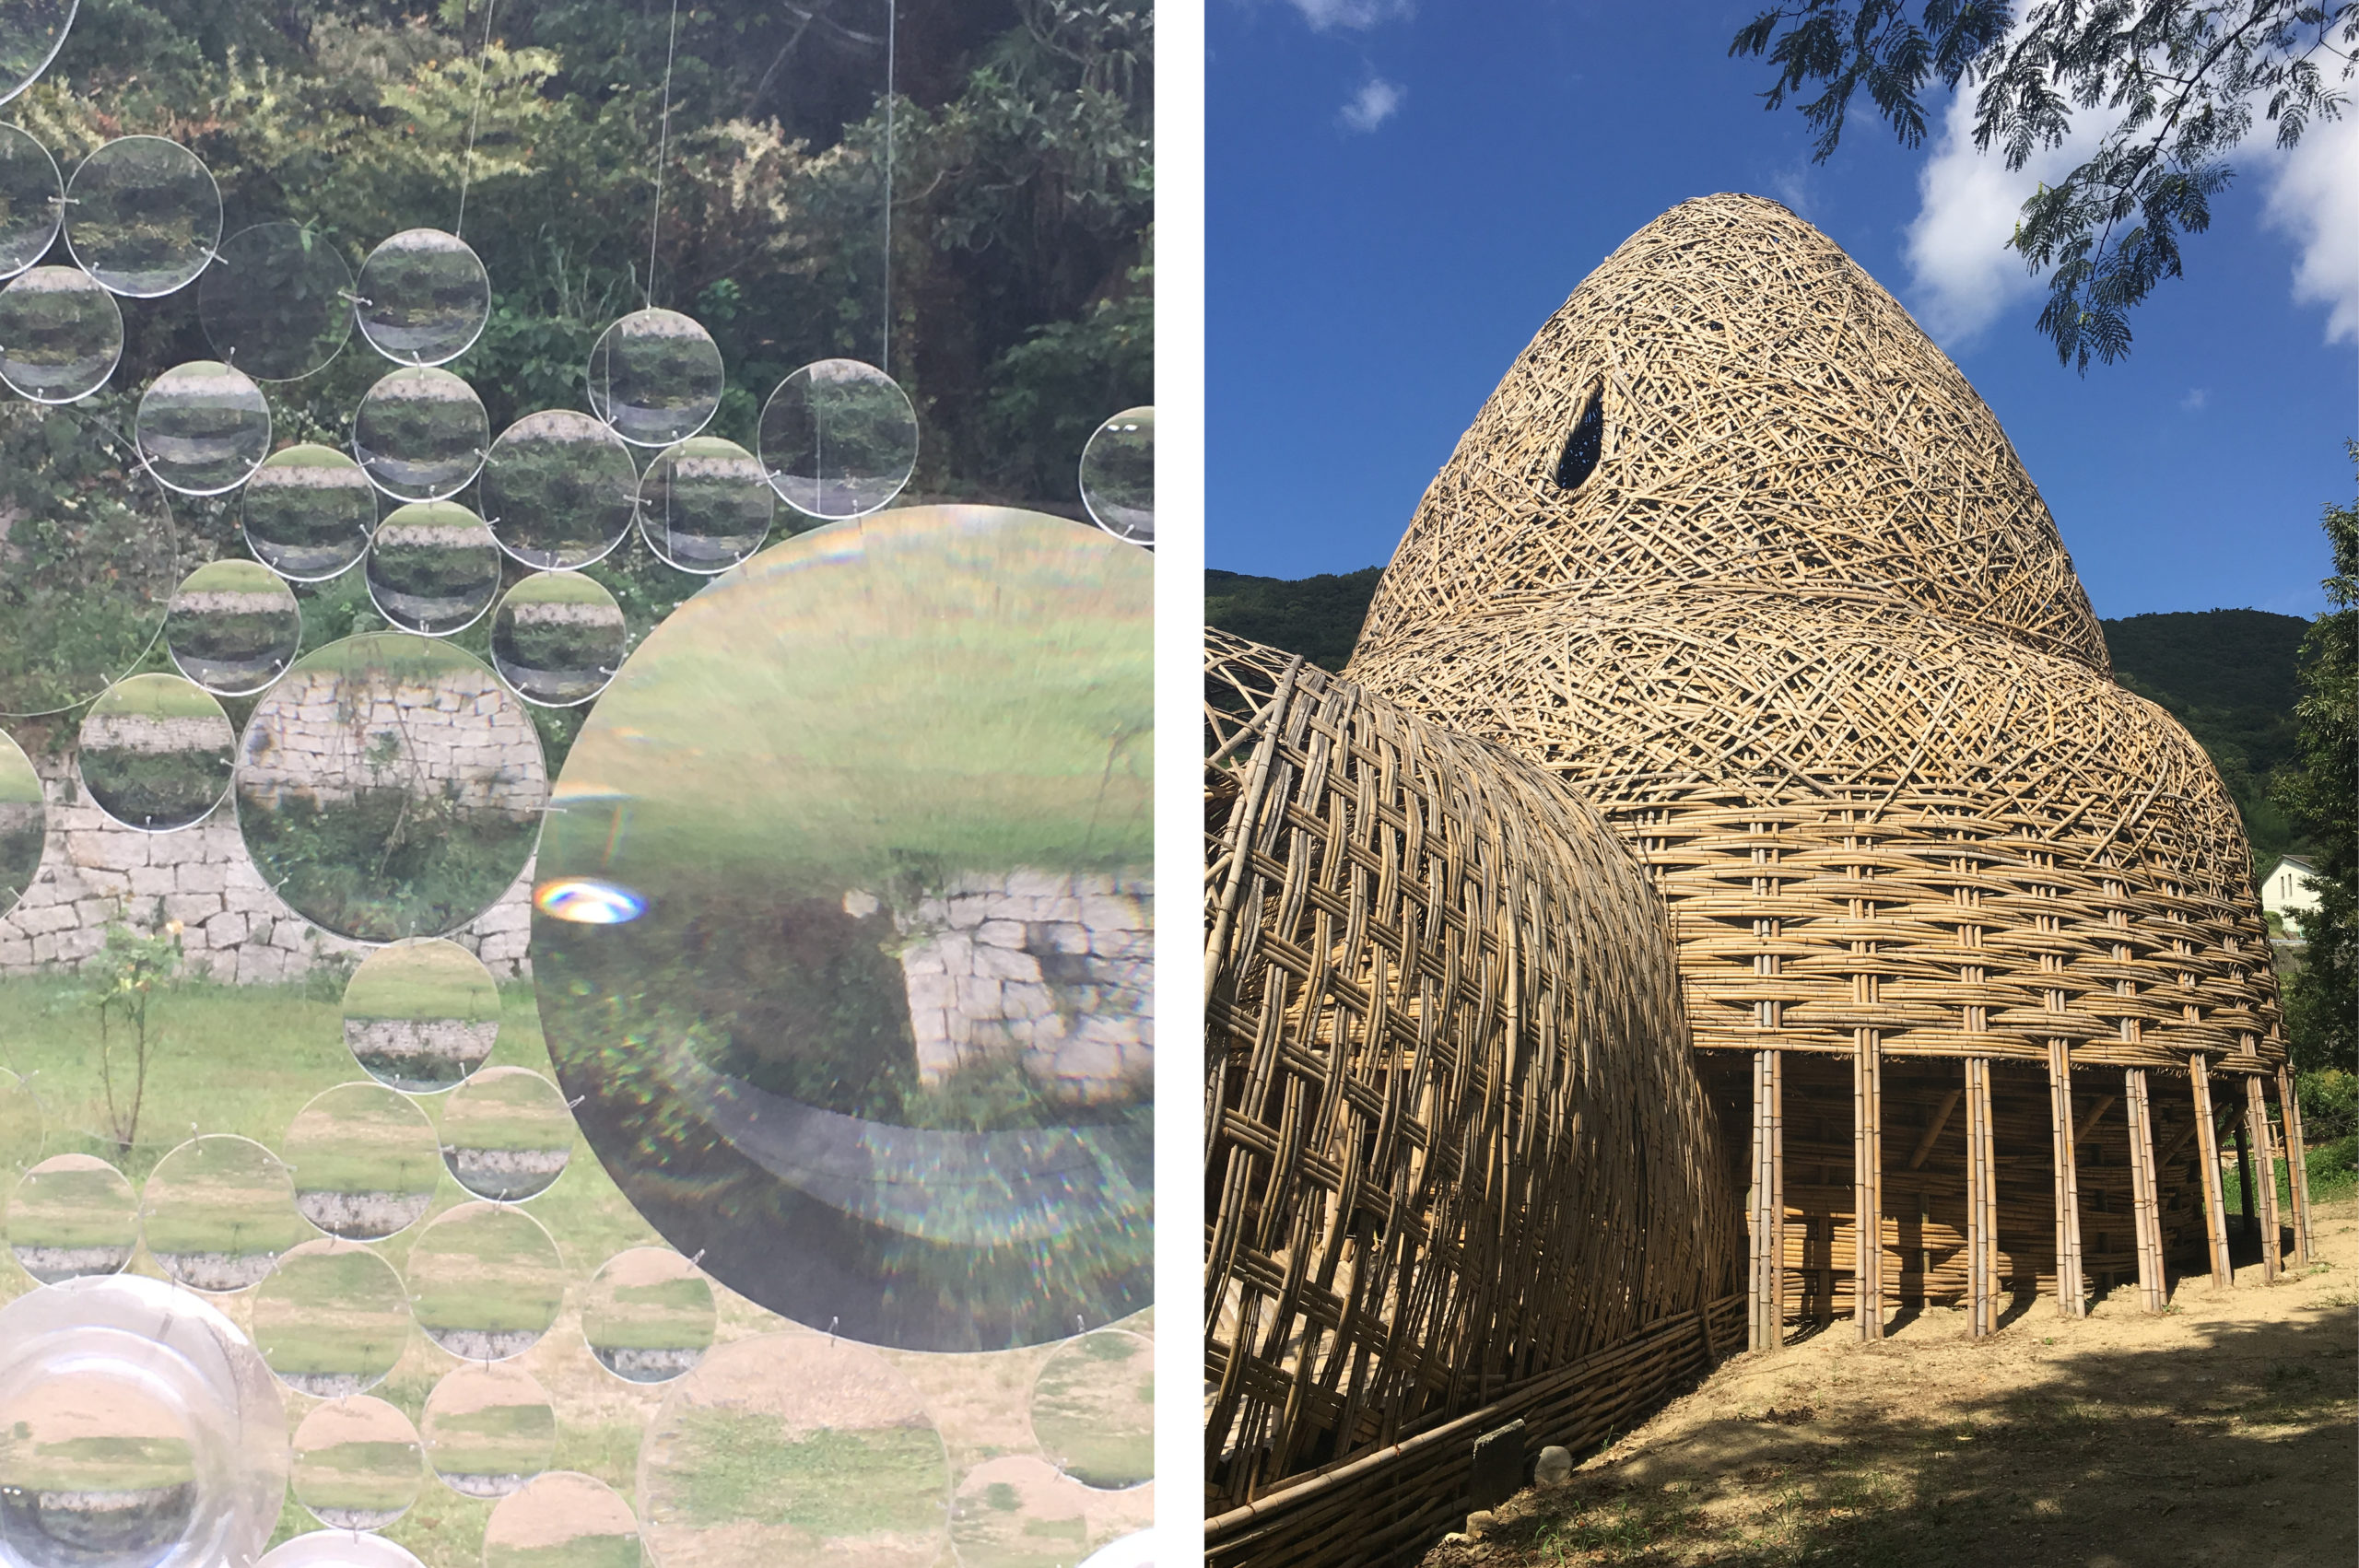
(2286, 891)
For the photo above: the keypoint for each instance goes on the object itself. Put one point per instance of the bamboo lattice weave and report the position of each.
(1770, 415)
(1867, 816)
(1454, 1134)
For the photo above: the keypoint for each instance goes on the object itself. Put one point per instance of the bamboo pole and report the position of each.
(2072, 1289)
(2215, 1207)
(2289, 1107)
(2145, 1208)
(1934, 1129)
(1981, 1201)
(2246, 1200)
(1761, 1329)
(2264, 1157)
(1777, 1199)
(1867, 1191)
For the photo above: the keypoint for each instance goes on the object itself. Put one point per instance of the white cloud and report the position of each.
(1374, 104)
(1353, 15)
(2195, 399)
(2314, 200)
(1961, 275)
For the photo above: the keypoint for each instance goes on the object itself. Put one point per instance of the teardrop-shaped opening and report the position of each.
(1586, 444)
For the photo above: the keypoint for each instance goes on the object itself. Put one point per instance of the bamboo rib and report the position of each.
(2248, 1200)
(2071, 1287)
(1866, 1157)
(2216, 1207)
(2289, 1108)
(1981, 1201)
(2264, 1157)
(2145, 1198)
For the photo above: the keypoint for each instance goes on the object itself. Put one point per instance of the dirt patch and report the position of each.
(2222, 1432)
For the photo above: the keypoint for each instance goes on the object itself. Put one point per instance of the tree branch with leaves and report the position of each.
(2182, 82)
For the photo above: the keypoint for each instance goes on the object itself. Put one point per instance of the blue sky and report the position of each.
(1399, 195)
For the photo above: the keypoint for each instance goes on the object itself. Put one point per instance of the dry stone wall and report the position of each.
(233, 928)
(1057, 972)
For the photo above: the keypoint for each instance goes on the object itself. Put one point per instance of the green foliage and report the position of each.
(120, 984)
(2330, 1098)
(2321, 793)
(2230, 676)
(1318, 617)
(2181, 79)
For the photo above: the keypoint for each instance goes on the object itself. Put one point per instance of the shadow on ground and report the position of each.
(2220, 1432)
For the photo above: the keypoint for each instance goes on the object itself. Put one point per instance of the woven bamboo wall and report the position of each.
(1454, 1135)
(1768, 414)
(1868, 817)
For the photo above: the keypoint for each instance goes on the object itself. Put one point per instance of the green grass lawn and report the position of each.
(732, 1468)
(1094, 1409)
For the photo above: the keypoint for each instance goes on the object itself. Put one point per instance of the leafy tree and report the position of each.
(2183, 79)
(120, 983)
(2322, 1001)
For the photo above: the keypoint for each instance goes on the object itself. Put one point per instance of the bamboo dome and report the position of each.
(1457, 1150)
(1728, 398)
(1866, 815)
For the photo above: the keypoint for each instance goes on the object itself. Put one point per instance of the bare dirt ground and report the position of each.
(2225, 1431)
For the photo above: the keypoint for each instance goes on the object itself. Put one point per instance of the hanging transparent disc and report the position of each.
(332, 1319)
(649, 1315)
(31, 32)
(92, 565)
(490, 1429)
(656, 377)
(61, 334)
(202, 428)
(155, 752)
(433, 568)
(308, 512)
(421, 434)
(24, 826)
(339, 1548)
(506, 1134)
(366, 1161)
(32, 198)
(143, 215)
(839, 440)
(1118, 476)
(276, 302)
(420, 1017)
(1093, 1409)
(218, 1211)
(389, 787)
(487, 1281)
(143, 1430)
(358, 1465)
(704, 505)
(902, 990)
(1016, 1511)
(562, 1517)
(557, 638)
(233, 626)
(424, 297)
(559, 489)
(73, 1215)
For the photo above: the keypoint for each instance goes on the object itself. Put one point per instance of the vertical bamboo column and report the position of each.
(2071, 1290)
(1981, 1201)
(2216, 1204)
(2264, 1182)
(1867, 1191)
(2145, 1209)
(2289, 1107)
(1763, 1330)
(2244, 1179)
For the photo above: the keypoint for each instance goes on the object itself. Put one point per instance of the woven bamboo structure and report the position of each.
(1460, 1167)
(1735, 554)
(1763, 412)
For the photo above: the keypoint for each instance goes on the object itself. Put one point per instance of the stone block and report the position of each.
(113, 850)
(1059, 936)
(931, 990)
(202, 876)
(225, 930)
(152, 881)
(47, 921)
(1001, 933)
(999, 963)
(191, 909)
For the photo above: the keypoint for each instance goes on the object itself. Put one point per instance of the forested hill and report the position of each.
(2228, 675)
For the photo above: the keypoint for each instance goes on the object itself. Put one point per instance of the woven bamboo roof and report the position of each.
(1766, 414)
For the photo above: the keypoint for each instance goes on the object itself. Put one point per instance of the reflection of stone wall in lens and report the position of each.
(232, 926)
(475, 745)
(1054, 973)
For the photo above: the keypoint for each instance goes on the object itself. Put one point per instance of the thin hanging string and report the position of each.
(663, 144)
(885, 352)
(474, 118)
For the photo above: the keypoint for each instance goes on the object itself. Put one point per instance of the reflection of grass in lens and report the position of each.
(487, 1272)
(159, 788)
(728, 1467)
(423, 979)
(361, 1477)
(96, 1464)
(496, 1440)
(581, 1552)
(1093, 1409)
(386, 863)
(332, 1311)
